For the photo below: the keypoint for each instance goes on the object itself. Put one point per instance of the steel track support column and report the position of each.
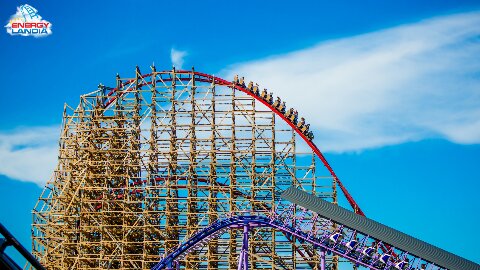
(243, 258)
(322, 259)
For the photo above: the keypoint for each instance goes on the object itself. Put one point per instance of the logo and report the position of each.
(27, 22)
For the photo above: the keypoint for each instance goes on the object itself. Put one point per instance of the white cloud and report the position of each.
(406, 83)
(401, 84)
(177, 57)
(29, 154)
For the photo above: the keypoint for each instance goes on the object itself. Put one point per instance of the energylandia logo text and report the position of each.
(27, 22)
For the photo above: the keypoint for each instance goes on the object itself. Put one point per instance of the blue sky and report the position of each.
(392, 89)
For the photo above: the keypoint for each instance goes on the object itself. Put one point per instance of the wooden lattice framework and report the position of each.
(147, 164)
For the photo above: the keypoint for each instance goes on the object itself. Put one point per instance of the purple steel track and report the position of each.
(327, 241)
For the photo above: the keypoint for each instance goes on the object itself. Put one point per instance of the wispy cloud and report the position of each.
(177, 57)
(29, 154)
(406, 83)
(401, 84)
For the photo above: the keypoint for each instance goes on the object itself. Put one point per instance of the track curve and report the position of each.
(254, 221)
(219, 81)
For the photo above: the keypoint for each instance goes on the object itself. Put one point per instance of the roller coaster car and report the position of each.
(242, 82)
(283, 108)
(304, 129)
(349, 248)
(270, 98)
(301, 123)
(276, 103)
(402, 265)
(310, 135)
(250, 86)
(292, 117)
(264, 94)
(350, 245)
(383, 260)
(289, 113)
(255, 90)
(367, 254)
(332, 239)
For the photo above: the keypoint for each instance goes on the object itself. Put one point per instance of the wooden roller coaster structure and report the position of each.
(148, 163)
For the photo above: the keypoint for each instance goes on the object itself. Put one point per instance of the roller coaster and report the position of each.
(182, 169)
(332, 230)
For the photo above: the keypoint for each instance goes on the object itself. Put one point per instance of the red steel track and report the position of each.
(203, 77)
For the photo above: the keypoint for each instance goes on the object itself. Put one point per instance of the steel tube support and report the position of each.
(243, 258)
(322, 259)
(240, 261)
